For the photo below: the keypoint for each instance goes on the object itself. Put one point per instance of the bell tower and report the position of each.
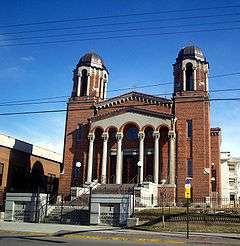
(90, 79)
(192, 110)
(190, 72)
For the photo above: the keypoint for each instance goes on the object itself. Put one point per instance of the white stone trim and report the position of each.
(141, 120)
(13, 143)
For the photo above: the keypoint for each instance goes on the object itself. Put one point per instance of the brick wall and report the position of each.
(215, 156)
(198, 112)
(73, 150)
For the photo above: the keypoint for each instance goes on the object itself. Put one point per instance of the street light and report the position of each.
(78, 164)
(139, 165)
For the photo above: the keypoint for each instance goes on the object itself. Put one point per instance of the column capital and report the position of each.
(119, 136)
(141, 135)
(171, 134)
(91, 136)
(156, 134)
(105, 136)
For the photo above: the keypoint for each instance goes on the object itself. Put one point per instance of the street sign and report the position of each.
(187, 192)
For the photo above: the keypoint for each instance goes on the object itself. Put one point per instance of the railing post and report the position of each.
(61, 214)
(37, 206)
(133, 202)
(46, 207)
(89, 205)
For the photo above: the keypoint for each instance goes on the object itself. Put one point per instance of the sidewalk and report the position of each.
(63, 230)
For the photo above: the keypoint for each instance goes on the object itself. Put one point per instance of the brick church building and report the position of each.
(136, 137)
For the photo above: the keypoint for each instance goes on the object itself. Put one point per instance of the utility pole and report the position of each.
(188, 196)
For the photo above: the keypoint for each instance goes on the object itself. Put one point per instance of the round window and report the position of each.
(132, 134)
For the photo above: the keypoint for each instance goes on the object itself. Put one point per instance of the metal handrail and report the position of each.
(130, 182)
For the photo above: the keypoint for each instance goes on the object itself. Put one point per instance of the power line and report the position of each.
(120, 37)
(116, 31)
(65, 101)
(127, 88)
(125, 23)
(117, 16)
(115, 106)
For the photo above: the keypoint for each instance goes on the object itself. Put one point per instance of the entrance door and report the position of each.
(112, 169)
(129, 169)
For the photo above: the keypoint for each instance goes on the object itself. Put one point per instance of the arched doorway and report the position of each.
(97, 156)
(112, 157)
(148, 154)
(130, 153)
(37, 178)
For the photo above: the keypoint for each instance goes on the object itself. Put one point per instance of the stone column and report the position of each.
(119, 137)
(88, 84)
(141, 136)
(172, 155)
(156, 136)
(194, 78)
(90, 157)
(184, 78)
(104, 158)
(79, 86)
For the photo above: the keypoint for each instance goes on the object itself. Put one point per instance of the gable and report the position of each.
(136, 97)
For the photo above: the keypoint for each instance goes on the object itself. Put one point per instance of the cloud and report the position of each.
(27, 58)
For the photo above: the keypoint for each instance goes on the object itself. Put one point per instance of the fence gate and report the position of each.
(109, 214)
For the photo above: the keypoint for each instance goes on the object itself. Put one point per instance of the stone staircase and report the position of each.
(70, 212)
(114, 189)
(74, 215)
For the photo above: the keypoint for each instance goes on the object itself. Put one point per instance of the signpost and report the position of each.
(188, 196)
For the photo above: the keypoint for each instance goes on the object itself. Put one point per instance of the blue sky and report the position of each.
(37, 71)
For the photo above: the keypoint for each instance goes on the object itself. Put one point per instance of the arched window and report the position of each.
(189, 77)
(84, 81)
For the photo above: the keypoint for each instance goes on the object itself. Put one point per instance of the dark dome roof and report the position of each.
(192, 52)
(91, 59)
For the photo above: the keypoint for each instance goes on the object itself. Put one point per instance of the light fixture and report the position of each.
(213, 179)
(78, 164)
(139, 164)
(163, 181)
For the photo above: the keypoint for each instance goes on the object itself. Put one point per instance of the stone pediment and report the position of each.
(134, 96)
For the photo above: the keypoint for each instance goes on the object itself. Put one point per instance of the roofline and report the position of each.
(13, 143)
(131, 110)
(135, 94)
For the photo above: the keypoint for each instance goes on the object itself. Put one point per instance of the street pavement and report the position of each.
(31, 234)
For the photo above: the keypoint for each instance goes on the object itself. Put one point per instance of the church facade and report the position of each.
(136, 137)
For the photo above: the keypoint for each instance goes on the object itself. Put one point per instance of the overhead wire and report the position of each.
(115, 106)
(117, 16)
(119, 37)
(127, 88)
(116, 31)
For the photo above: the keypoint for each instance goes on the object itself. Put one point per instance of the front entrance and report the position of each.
(129, 174)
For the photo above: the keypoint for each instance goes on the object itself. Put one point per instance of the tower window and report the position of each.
(84, 81)
(189, 128)
(189, 77)
(79, 133)
(189, 168)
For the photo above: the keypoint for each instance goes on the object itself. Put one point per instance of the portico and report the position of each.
(131, 136)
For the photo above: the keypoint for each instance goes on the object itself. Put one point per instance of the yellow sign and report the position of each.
(187, 192)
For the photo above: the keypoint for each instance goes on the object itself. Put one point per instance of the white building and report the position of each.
(230, 175)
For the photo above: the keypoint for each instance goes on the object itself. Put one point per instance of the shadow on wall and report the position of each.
(25, 177)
